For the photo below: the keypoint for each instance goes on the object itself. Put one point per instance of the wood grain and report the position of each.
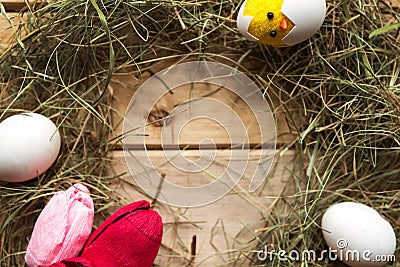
(6, 28)
(124, 87)
(222, 228)
(20, 5)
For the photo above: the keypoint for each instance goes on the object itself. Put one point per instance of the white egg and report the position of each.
(29, 145)
(358, 235)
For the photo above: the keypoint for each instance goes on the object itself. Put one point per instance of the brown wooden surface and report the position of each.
(125, 86)
(13, 5)
(6, 28)
(18, 5)
(222, 228)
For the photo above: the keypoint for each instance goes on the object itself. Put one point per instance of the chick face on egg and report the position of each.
(280, 22)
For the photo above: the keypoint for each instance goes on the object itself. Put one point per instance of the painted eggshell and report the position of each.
(282, 22)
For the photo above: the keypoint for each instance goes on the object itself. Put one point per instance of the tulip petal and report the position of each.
(62, 228)
(130, 237)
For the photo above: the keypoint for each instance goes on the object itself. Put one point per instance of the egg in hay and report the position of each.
(358, 235)
(280, 22)
(29, 144)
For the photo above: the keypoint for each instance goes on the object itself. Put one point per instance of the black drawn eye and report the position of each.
(270, 15)
(273, 34)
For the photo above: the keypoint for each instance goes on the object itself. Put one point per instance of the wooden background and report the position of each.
(223, 229)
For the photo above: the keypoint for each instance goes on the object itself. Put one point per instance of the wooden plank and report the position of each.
(124, 87)
(223, 228)
(6, 30)
(20, 5)
(395, 3)
(13, 5)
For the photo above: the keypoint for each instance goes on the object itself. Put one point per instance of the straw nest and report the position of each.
(340, 91)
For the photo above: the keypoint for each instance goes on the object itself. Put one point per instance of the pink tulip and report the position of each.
(62, 228)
